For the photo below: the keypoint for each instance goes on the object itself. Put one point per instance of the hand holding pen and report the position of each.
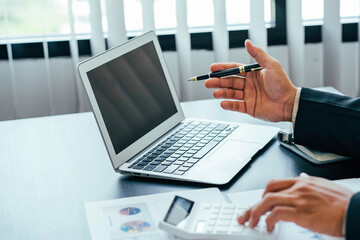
(228, 72)
(267, 94)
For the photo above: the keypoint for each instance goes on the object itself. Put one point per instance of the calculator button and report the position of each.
(209, 229)
(229, 206)
(262, 225)
(217, 206)
(240, 210)
(200, 226)
(207, 206)
(256, 228)
(211, 223)
(263, 230)
(220, 229)
(215, 211)
(227, 212)
(226, 217)
(252, 231)
(239, 213)
(224, 223)
(237, 229)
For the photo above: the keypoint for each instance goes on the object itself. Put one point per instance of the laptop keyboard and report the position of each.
(184, 148)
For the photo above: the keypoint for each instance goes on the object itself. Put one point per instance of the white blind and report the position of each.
(97, 34)
(115, 16)
(183, 48)
(331, 35)
(116, 22)
(14, 113)
(74, 51)
(16, 95)
(257, 29)
(295, 39)
(47, 62)
(9, 105)
(220, 33)
(148, 15)
(8, 99)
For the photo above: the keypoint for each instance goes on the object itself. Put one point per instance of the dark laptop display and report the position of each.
(132, 94)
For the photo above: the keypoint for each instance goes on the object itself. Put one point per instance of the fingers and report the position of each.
(260, 56)
(222, 66)
(229, 82)
(279, 185)
(234, 106)
(229, 94)
(245, 217)
(270, 201)
(234, 90)
(276, 203)
(281, 213)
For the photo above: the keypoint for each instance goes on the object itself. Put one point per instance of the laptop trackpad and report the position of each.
(235, 150)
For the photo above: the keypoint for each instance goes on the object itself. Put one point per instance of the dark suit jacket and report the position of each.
(328, 122)
(331, 123)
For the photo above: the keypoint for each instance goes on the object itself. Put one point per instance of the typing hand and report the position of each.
(267, 94)
(311, 202)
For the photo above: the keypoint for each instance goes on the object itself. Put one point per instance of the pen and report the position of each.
(228, 72)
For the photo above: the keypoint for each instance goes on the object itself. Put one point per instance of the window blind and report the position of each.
(15, 97)
(331, 35)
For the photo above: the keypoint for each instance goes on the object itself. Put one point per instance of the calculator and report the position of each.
(194, 220)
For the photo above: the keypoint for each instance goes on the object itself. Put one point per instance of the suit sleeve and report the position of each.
(352, 230)
(328, 122)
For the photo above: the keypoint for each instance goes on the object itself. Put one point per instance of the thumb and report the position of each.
(260, 56)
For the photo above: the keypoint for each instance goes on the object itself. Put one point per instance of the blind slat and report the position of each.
(11, 65)
(331, 34)
(74, 52)
(148, 15)
(47, 61)
(13, 81)
(116, 22)
(220, 33)
(97, 35)
(183, 48)
(48, 77)
(295, 38)
(257, 31)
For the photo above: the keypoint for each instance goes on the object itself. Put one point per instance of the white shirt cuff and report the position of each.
(296, 106)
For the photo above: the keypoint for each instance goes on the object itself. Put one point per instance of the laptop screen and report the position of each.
(132, 94)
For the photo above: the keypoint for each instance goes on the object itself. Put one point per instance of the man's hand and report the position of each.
(266, 94)
(311, 202)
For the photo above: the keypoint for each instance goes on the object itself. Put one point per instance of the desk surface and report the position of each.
(51, 166)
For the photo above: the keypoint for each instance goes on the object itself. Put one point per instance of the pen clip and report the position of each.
(254, 69)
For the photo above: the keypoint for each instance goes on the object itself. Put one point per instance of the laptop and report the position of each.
(143, 125)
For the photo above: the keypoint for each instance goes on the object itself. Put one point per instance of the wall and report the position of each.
(37, 96)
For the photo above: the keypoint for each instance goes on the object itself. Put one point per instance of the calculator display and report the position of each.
(179, 210)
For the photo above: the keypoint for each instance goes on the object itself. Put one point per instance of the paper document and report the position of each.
(351, 183)
(137, 218)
